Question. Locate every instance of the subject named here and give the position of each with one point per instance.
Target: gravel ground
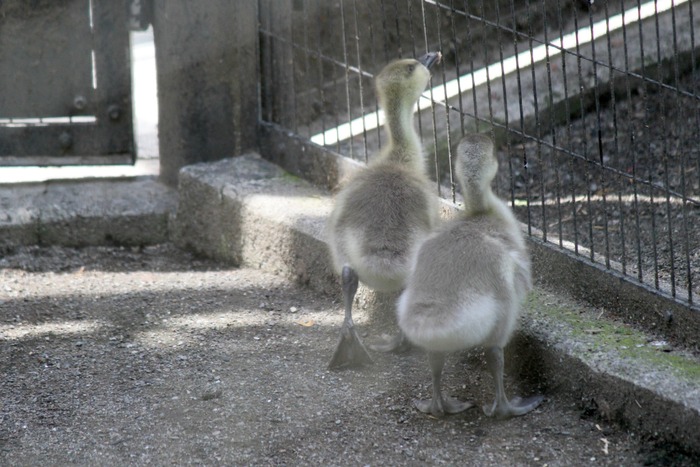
(116, 356)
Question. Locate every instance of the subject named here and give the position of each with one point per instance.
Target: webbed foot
(350, 352)
(395, 344)
(513, 408)
(440, 406)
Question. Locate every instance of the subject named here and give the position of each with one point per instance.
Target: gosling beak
(430, 59)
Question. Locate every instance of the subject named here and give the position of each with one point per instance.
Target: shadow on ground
(119, 356)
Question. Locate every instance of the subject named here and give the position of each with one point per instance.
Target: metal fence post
(207, 60)
(277, 62)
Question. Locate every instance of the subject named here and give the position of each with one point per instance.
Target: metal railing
(595, 109)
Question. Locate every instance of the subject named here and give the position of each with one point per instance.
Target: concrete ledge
(82, 213)
(249, 212)
(611, 369)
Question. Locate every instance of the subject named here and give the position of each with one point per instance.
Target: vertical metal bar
(505, 107)
(359, 79)
(587, 169)
(613, 105)
(385, 30)
(283, 98)
(347, 72)
(683, 180)
(414, 52)
(553, 135)
(628, 91)
(457, 65)
(470, 52)
(653, 232)
(633, 138)
(267, 59)
(665, 143)
(538, 132)
(459, 88)
(448, 135)
(487, 60)
(307, 65)
(432, 108)
(567, 111)
(112, 74)
(526, 168)
(646, 137)
(599, 139)
(378, 129)
(289, 44)
(488, 77)
(682, 157)
(425, 27)
(409, 9)
(669, 224)
(333, 79)
(399, 50)
(321, 83)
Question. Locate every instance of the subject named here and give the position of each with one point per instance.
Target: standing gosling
(382, 214)
(468, 283)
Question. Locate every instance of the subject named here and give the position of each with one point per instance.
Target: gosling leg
(502, 408)
(440, 404)
(350, 351)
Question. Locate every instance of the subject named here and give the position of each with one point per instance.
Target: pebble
(212, 394)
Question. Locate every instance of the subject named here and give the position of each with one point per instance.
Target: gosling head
(475, 165)
(402, 82)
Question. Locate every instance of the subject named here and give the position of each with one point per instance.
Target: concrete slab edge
(74, 213)
(249, 212)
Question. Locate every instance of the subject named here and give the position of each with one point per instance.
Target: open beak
(430, 59)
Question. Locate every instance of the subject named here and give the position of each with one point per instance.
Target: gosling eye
(410, 68)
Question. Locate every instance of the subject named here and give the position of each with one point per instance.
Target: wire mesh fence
(594, 107)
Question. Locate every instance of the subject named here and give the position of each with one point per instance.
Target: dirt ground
(115, 356)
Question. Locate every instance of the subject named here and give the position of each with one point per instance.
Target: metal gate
(65, 83)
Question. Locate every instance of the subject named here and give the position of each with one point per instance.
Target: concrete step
(133, 211)
(250, 212)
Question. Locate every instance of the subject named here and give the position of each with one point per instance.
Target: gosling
(468, 283)
(383, 213)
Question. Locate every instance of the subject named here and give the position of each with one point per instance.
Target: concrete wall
(206, 54)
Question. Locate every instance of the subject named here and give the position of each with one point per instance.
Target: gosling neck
(478, 199)
(404, 144)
